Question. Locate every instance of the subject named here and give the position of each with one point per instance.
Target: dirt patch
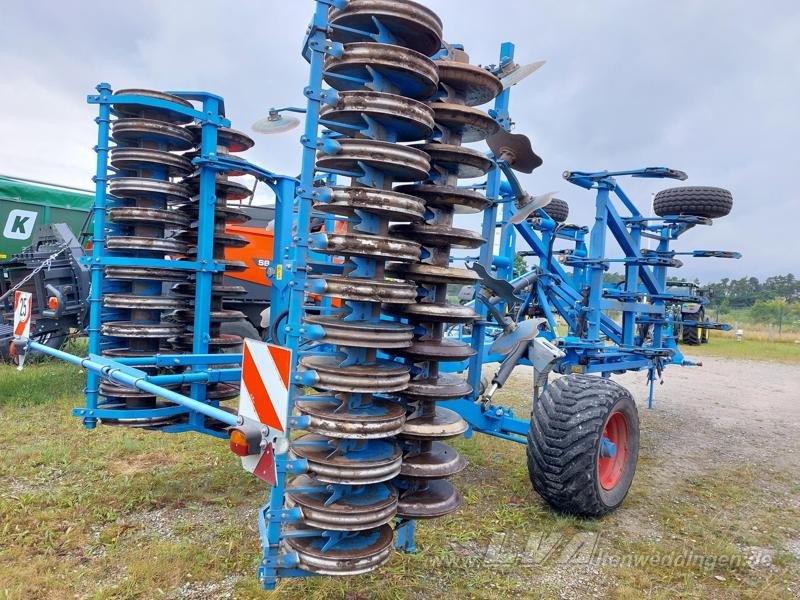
(725, 412)
(131, 464)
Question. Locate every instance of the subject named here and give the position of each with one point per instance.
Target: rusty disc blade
(353, 555)
(366, 508)
(135, 302)
(459, 200)
(143, 273)
(362, 334)
(438, 236)
(391, 205)
(144, 160)
(356, 111)
(366, 246)
(159, 246)
(149, 216)
(401, 163)
(412, 25)
(140, 132)
(378, 419)
(367, 290)
(461, 161)
(427, 273)
(133, 329)
(436, 499)
(232, 140)
(436, 350)
(408, 71)
(442, 424)
(144, 188)
(441, 387)
(151, 112)
(438, 462)
(426, 312)
(375, 461)
(469, 124)
(383, 376)
(468, 84)
(225, 189)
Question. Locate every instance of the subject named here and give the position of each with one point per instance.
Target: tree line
(747, 291)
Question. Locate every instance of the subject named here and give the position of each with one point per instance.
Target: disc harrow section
(427, 461)
(141, 225)
(383, 77)
(230, 193)
(152, 231)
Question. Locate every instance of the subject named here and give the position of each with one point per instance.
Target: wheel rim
(611, 468)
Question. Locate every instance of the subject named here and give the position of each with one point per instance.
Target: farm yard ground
(714, 511)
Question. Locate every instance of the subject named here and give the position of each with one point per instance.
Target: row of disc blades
(375, 435)
(153, 214)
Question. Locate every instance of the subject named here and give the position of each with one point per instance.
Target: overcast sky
(711, 87)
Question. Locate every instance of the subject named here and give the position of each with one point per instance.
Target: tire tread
(699, 201)
(566, 424)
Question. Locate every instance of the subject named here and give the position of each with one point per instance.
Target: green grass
(725, 346)
(116, 513)
(742, 317)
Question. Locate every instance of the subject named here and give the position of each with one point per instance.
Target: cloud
(708, 87)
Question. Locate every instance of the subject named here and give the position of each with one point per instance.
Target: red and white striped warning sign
(264, 397)
(22, 314)
(265, 384)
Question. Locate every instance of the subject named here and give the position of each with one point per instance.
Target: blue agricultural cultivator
(385, 313)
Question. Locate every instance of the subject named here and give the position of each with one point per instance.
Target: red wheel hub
(610, 469)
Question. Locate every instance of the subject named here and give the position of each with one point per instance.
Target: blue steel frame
(273, 516)
(211, 117)
(557, 291)
(123, 370)
(580, 297)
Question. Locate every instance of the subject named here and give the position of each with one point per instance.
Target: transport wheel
(558, 210)
(277, 335)
(691, 335)
(704, 334)
(243, 329)
(698, 201)
(583, 444)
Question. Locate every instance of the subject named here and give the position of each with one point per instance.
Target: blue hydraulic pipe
(117, 374)
(198, 376)
(180, 360)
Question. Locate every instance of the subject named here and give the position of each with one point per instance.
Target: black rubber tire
(691, 335)
(242, 328)
(704, 335)
(558, 210)
(277, 329)
(567, 424)
(698, 201)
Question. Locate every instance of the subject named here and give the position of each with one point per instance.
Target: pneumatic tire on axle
(570, 461)
(558, 210)
(697, 201)
(692, 335)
